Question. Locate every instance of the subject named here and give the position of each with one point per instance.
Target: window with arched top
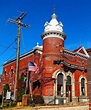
(5, 73)
(11, 73)
(60, 84)
(68, 88)
(68, 80)
(82, 86)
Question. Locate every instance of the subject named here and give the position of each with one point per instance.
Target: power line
(7, 48)
(8, 58)
(11, 56)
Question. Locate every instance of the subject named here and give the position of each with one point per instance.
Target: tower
(53, 43)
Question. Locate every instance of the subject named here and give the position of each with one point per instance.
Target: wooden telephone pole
(19, 24)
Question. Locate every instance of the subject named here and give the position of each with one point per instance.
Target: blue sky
(74, 14)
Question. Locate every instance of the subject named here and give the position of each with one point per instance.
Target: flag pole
(32, 67)
(27, 84)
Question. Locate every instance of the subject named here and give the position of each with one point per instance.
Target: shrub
(37, 99)
(21, 89)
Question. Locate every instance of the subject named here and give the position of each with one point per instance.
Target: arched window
(5, 75)
(82, 86)
(11, 73)
(60, 84)
(69, 88)
(68, 80)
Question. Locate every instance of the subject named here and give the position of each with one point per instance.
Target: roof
(88, 50)
(77, 49)
(82, 51)
(53, 25)
(35, 49)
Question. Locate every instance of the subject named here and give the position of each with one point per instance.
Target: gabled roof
(82, 51)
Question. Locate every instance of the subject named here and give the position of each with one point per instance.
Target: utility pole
(19, 24)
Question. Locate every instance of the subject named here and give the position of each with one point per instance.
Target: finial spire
(37, 44)
(54, 8)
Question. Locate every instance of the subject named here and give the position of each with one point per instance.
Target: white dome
(53, 25)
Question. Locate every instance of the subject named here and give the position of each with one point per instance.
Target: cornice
(75, 54)
(39, 50)
(56, 34)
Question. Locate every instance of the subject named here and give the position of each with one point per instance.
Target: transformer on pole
(19, 24)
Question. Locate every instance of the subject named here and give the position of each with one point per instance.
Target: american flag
(32, 67)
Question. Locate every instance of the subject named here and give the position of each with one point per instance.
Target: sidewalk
(59, 107)
(67, 108)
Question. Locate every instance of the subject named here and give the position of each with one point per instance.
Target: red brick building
(89, 77)
(62, 75)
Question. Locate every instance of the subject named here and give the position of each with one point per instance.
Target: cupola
(53, 28)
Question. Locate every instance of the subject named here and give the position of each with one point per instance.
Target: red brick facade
(62, 75)
(89, 74)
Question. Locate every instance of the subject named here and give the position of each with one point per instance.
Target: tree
(22, 87)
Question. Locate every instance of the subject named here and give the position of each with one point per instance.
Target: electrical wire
(11, 56)
(8, 47)
(8, 59)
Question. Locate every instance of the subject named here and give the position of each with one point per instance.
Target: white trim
(72, 82)
(53, 35)
(82, 76)
(55, 74)
(78, 52)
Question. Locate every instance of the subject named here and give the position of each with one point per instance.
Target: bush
(21, 89)
(37, 99)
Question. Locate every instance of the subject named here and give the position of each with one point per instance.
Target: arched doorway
(69, 89)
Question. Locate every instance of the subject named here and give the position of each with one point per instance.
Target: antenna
(19, 24)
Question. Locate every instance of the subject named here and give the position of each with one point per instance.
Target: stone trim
(53, 34)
